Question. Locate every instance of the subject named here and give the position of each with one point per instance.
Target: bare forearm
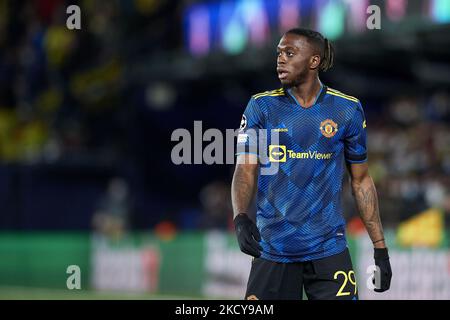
(243, 189)
(366, 198)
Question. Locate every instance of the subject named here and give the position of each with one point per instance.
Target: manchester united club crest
(328, 128)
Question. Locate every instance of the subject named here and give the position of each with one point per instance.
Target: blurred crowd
(409, 155)
(74, 112)
(62, 91)
(83, 101)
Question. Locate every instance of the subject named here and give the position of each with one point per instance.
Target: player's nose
(281, 59)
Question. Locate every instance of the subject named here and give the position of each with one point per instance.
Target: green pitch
(23, 293)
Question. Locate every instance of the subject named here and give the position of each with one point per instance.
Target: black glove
(248, 235)
(381, 257)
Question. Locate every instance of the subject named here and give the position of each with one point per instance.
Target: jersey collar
(319, 97)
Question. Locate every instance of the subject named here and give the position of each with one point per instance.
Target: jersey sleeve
(355, 149)
(252, 120)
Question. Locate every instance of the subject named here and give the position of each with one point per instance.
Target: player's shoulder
(347, 99)
(268, 94)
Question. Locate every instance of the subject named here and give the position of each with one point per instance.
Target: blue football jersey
(299, 211)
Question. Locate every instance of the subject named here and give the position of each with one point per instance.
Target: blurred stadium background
(86, 118)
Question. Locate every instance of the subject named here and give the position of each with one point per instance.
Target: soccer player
(298, 241)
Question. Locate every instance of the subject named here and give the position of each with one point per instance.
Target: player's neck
(306, 93)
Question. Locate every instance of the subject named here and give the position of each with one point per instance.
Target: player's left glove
(248, 235)
(381, 257)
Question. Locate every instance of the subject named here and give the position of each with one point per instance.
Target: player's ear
(314, 62)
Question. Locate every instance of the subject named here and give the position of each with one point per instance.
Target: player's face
(294, 57)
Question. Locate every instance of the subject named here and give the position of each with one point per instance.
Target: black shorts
(330, 278)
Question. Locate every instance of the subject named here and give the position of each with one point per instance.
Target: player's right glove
(381, 257)
(247, 235)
